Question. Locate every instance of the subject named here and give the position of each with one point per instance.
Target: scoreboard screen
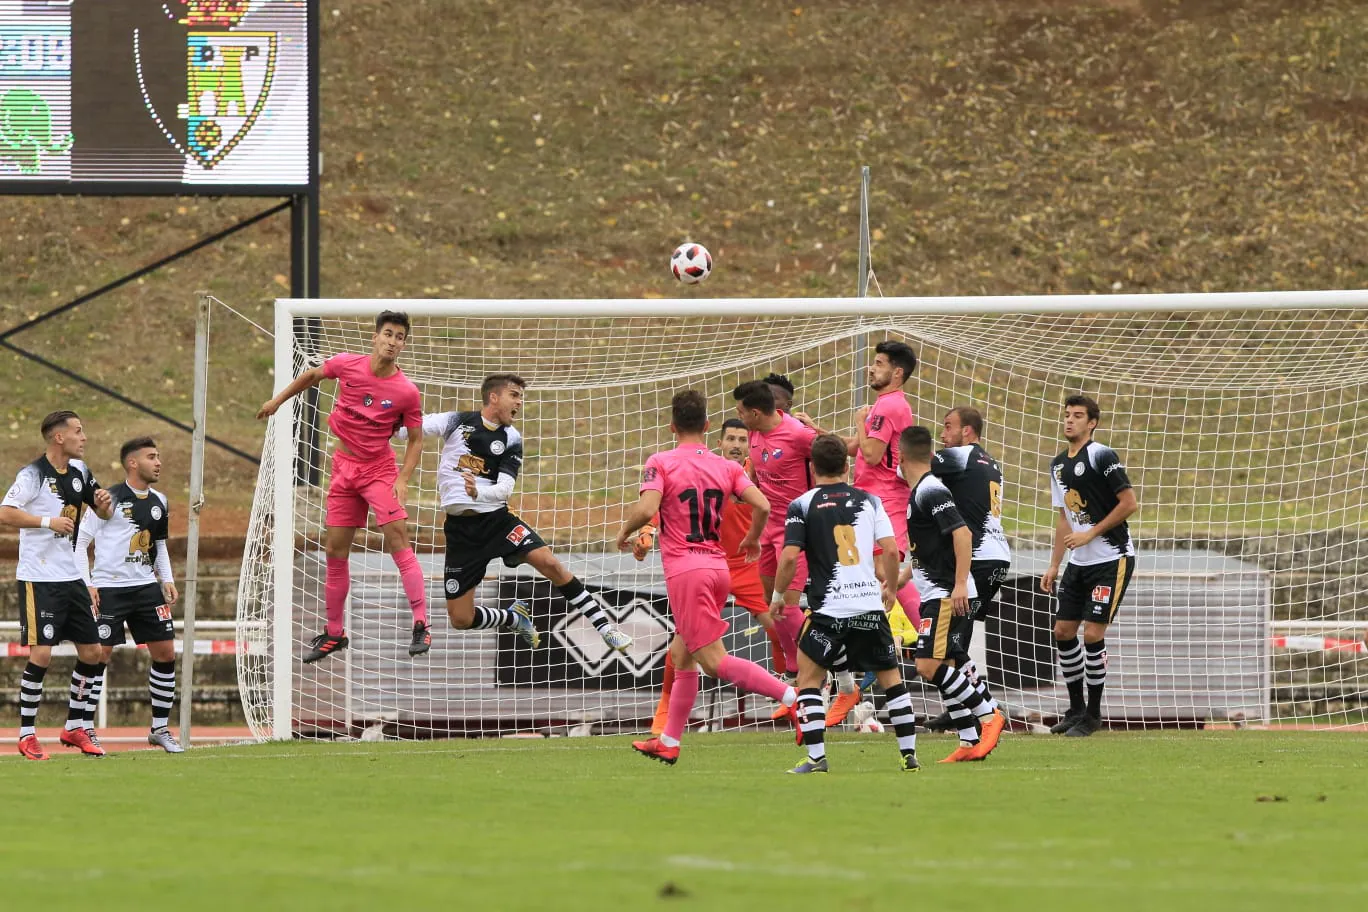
(173, 96)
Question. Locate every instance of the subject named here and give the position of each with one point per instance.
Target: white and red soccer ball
(691, 263)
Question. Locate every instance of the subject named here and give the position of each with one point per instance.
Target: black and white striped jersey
(975, 481)
(1085, 485)
(932, 518)
(131, 544)
(493, 454)
(40, 489)
(837, 527)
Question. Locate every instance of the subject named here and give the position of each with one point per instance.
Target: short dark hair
(56, 420)
(132, 446)
(900, 355)
(393, 318)
(734, 424)
(689, 412)
(1087, 402)
(829, 455)
(495, 382)
(779, 380)
(915, 444)
(755, 394)
(970, 417)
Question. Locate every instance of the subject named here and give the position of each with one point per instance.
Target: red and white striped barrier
(202, 647)
(1319, 644)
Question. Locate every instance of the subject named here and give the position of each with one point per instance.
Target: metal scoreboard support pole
(200, 412)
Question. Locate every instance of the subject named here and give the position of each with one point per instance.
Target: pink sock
(788, 627)
(910, 600)
(749, 676)
(335, 587)
(415, 587)
(682, 695)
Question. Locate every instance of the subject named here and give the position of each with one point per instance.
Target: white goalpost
(1242, 419)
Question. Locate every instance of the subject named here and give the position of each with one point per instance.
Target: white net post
(1239, 417)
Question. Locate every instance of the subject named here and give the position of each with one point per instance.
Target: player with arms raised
(840, 528)
(941, 548)
(132, 584)
(779, 449)
(374, 400)
(482, 454)
(687, 487)
(46, 504)
(1089, 488)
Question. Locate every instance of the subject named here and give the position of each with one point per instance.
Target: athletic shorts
(943, 634)
(988, 579)
(142, 609)
(864, 641)
(52, 612)
(474, 539)
(696, 600)
(358, 486)
(769, 564)
(1093, 593)
(746, 587)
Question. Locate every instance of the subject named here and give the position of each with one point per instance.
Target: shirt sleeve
(795, 525)
(1107, 462)
(162, 531)
(1056, 492)
(740, 480)
(510, 463)
(91, 486)
(938, 503)
(497, 493)
(334, 366)
(24, 489)
(879, 427)
(162, 566)
(652, 477)
(84, 536)
(413, 412)
(883, 526)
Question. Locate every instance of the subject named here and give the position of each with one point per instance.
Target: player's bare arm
(1126, 505)
(310, 378)
(638, 515)
(964, 558)
(760, 511)
(16, 518)
(783, 575)
(1062, 532)
(889, 578)
(413, 453)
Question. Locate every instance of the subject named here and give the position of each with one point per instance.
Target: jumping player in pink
(688, 487)
(780, 446)
(374, 400)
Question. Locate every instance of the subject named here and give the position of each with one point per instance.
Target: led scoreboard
(155, 96)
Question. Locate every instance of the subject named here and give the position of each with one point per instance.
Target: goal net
(1241, 420)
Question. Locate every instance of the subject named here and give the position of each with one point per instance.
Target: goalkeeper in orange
(746, 588)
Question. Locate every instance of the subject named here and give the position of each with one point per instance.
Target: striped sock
(971, 671)
(813, 714)
(1095, 663)
(93, 699)
(903, 718)
(161, 686)
(1071, 669)
(957, 691)
(81, 677)
(30, 696)
(581, 600)
(963, 720)
(492, 619)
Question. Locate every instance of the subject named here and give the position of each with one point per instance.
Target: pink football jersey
(694, 485)
(779, 459)
(370, 410)
(886, 421)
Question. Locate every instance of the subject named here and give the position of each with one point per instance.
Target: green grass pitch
(1211, 821)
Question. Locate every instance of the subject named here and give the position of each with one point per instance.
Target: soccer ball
(691, 263)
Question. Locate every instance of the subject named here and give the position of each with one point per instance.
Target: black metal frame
(301, 202)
